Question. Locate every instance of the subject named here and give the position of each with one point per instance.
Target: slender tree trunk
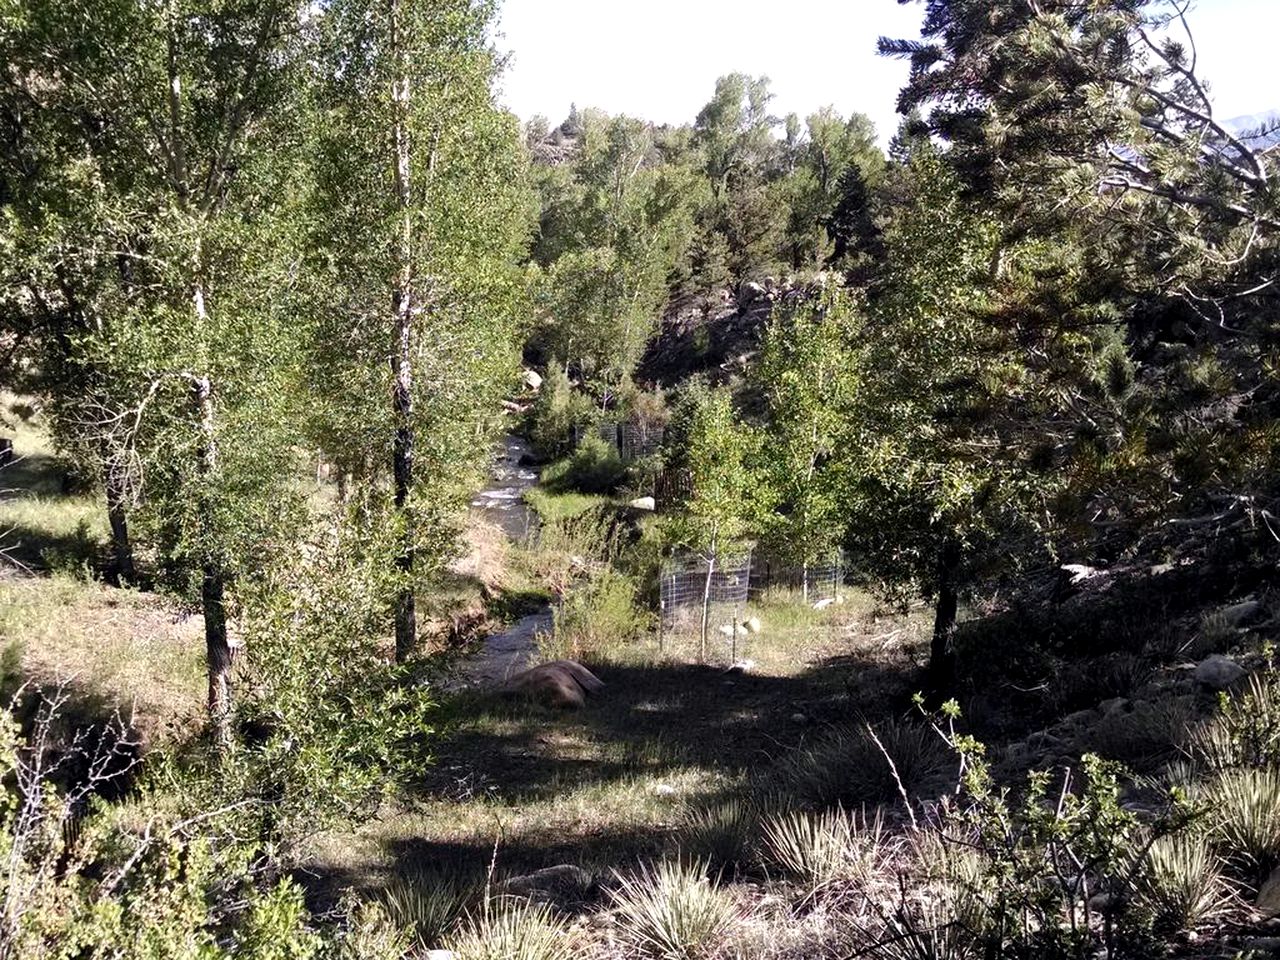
(942, 647)
(706, 599)
(213, 586)
(406, 620)
(114, 481)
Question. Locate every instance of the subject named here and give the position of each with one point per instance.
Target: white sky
(659, 59)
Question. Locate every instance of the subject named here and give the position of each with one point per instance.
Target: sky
(659, 59)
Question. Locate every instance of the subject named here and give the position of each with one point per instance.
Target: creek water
(501, 502)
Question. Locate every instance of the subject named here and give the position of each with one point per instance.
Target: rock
(798, 717)
(561, 684)
(742, 666)
(824, 603)
(1079, 572)
(643, 503)
(1236, 614)
(664, 790)
(531, 379)
(565, 883)
(754, 625)
(1268, 902)
(749, 292)
(1218, 672)
(725, 629)
(441, 955)
(1113, 706)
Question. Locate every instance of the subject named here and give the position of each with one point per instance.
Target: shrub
(1245, 806)
(598, 615)
(429, 904)
(848, 768)
(593, 467)
(722, 835)
(823, 850)
(1183, 886)
(508, 928)
(1245, 732)
(672, 911)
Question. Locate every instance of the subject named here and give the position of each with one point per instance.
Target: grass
(510, 929)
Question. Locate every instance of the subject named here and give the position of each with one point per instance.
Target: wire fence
(707, 598)
(637, 440)
(818, 582)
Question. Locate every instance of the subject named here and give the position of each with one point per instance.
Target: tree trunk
(213, 586)
(115, 482)
(706, 601)
(406, 619)
(941, 648)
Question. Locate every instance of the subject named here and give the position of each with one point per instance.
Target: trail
(502, 503)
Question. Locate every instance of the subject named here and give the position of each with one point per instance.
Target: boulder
(749, 292)
(532, 380)
(643, 503)
(565, 883)
(754, 625)
(441, 955)
(1268, 902)
(1238, 614)
(562, 684)
(1218, 672)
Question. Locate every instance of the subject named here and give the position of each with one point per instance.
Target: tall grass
(1184, 886)
(824, 850)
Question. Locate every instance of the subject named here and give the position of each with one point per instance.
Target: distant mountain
(1259, 130)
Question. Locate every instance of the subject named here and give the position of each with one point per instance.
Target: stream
(502, 503)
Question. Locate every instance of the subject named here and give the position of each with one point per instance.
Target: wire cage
(638, 440)
(694, 587)
(818, 582)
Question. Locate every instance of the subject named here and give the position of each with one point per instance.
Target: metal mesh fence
(690, 583)
(639, 440)
(817, 582)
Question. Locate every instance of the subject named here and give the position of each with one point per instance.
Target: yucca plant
(672, 911)
(722, 835)
(849, 768)
(510, 928)
(1246, 731)
(1183, 886)
(428, 904)
(1245, 806)
(823, 850)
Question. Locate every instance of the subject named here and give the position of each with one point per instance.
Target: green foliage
(672, 911)
(599, 615)
(1245, 817)
(555, 413)
(593, 467)
(430, 903)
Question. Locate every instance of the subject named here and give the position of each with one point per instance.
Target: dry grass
(128, 650)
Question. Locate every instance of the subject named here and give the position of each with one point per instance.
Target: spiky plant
(849, 768)
(722, 835)
(823, 850)
(428, 904)
(1245, 810)
(510, 928)
(1183, 887)
(672, 911)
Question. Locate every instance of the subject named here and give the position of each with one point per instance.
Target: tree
(420, 213)
(713, 449)
(808, 377)
(163, 263)
(611, 238)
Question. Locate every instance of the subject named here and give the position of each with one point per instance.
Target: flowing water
(501, 502)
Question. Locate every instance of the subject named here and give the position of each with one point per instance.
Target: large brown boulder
(561, 684)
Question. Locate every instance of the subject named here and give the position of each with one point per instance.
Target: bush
(1183, 887)
(1245, 732)
(593, 467)
(672, 911)
(430, 903)
(598, 615)
(1245, 807)
(507, 928)
(554, 414)
(847, 768)
(723, 835)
